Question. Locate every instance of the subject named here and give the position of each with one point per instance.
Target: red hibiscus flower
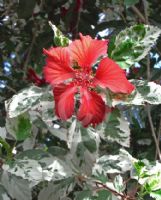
(70, 71)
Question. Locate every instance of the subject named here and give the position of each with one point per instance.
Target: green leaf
(103, 195)
(28, 11)
(133, 44)
(35, 154)
(88, 195)
(23, 101)
(23, 128)
(130, 2)
(7, 148)
(149, 175)
(57, 151)
(116, 129)
(156, 194)
(20, 127)
(139, 167)
(59, 38)
(154, 181)
(111, 46)
(145, 92)
(57, 191)
(83, 195)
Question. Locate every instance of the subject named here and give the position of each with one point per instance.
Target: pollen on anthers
(83, 79)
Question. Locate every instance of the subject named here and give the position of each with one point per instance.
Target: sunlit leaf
(23, 101)
(112, 164)
(44, 167)
(59, 38)
(133, 44)
(27, 169)
(119, 184)
(3, 132)
(156, 194)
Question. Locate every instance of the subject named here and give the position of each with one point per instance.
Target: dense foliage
(44, 157)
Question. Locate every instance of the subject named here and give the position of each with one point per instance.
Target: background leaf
(23, 101)
(19, 127)
(116, 129)
(57, 191)
(133, 44)
(130, 2)
(23, 129)
(84, 143)
(16, 187)
(3, 194)
(110, 164)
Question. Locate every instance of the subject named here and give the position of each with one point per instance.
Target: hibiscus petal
(92, 109)
(110, 75)
(57, 67)
(87, 50)
(64, 100)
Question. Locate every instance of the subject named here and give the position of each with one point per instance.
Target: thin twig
(29, 52)
(25, 65)
(109, 189)
(153, 132)
(159, 131)
(100, 186)
(139, 14)
(158, 136)
(145, 11)
(113, 191)
(148, 68)
(148, 78)
(11, 89)
(77, 19)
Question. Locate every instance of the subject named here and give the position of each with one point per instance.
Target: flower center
(83, 79)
